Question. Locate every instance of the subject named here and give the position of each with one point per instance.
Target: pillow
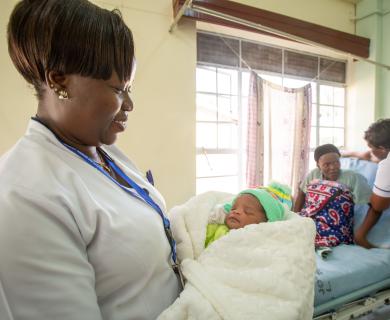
(380, 233)
(366, 168)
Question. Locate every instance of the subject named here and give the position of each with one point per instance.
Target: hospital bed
(354, 281)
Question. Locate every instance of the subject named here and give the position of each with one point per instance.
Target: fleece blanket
(263, 271)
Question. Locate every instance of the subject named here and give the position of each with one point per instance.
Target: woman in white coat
(83, 234)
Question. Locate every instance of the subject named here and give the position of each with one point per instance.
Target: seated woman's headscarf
(324, 149)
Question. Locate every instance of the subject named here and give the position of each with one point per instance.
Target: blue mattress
(349, 269)
(351, 272)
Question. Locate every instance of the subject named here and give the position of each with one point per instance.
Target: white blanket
(263, 271)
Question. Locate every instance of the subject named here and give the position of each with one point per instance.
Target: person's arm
(44, 266)
(378, 205)
(360, 236)
(299, 201)
(380, 201)
(362, 155)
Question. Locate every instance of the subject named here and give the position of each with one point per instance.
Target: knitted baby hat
(282, 192)
(273, 208)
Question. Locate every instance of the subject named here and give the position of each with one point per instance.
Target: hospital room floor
(381, 314)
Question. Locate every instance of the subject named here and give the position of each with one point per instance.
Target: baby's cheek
(262, 218)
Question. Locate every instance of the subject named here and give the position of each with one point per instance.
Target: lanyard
(141, 193)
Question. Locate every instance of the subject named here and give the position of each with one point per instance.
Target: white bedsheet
(263, 271)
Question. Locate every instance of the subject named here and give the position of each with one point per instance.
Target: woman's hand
(360, 239)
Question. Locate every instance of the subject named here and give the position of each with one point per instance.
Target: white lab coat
(73, 245)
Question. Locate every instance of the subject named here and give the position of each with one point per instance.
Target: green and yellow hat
(271, 198)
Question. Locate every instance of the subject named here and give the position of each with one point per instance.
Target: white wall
(17, 102)
(369, 88)
(161, 132)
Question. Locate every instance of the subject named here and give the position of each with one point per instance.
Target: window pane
(261, 57)
(298, 64)
(206, 79)
(206, 135)
(274, 79)
(326, 94)
(225, 184)
(227, 81)
(294, 83)
(326, 116)
(212, 165)
(338, 117)
(218, 50)
(326, 135)
(332, 135)
(312, 162)
(206, 107)
(338, 137)
(227, 108)
(227, 136)
(339, 96)
(331, 70)
(331, 116)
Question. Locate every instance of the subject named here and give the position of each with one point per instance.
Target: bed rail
(358, 307)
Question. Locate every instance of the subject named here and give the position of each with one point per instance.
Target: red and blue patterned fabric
(330, 205)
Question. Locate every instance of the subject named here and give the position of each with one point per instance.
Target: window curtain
(255, 133)
(278, 133)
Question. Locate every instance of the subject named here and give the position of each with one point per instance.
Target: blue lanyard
(141, 193)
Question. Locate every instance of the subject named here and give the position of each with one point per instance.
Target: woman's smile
(120, 123)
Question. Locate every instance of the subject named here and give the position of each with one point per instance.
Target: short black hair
(378, 134)
(70, 37)
(324, 149)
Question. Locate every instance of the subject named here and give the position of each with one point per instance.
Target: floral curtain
(278, 134)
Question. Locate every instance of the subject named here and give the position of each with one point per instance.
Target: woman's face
(96, 111)
(329, 164)
(379, 152)
(246, 210)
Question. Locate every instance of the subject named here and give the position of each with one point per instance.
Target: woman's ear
(56, 79)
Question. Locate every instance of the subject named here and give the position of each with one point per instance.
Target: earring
(62, 94)
(51, 85)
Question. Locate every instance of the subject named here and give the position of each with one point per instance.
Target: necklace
(102, 163)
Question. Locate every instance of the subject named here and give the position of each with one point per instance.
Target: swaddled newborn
(256, 270)
(251, 206)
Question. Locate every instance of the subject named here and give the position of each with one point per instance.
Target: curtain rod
(186, 5)
(189, 5)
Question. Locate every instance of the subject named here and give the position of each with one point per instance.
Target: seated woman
(325, 183)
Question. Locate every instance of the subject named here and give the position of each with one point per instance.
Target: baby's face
(245, 210)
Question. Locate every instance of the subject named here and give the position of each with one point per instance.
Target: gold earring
(51, 85)
(62, 95)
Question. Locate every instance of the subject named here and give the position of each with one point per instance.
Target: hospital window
(222, 85)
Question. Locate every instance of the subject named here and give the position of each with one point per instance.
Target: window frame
(239, 151)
